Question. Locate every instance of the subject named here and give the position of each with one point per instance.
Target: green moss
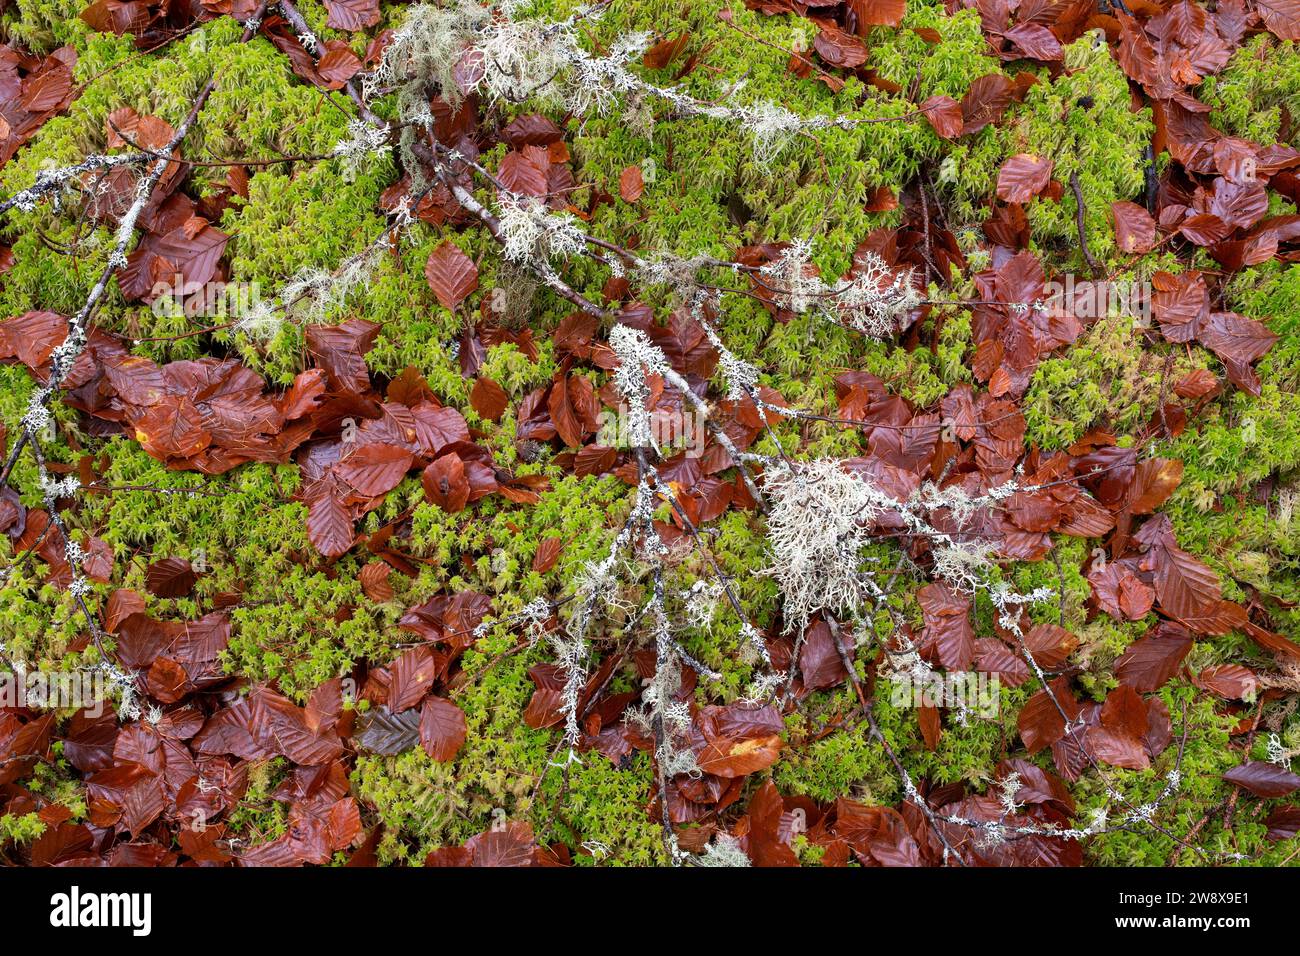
(300, 620)
(1101, 143)
(1105, 380)
(1260, 81)
(20, 829)
(425, 804)
(259, 818)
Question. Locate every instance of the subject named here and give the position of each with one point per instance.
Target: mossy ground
(300, 621)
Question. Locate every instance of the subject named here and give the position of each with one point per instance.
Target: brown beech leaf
(1184, 585)
(488, 399)
(839, 48)
(1197, 384)
(436, 428)
(1023, 176)
(352, 14)
(1152, 660)
(376, 468)
(1154, 480)
(730, 757)
(324, 706)
(548, 552)
(338, 65)
(172, 429)
(1135, 598)
(985, 102)
(1040, 723)
(1125, 712)
(948, 638)
(736, 740)
(512, 846)
(1263, 779)
(531, 130)
(819, 661)
(1282, 17)
(1229, 681)
(122, 603)
(631, 184)
(451, 274)
(340, 350)
(1283, 823)
(1135, 230)
(1032, 41)
(151, 132)
(571, 405)
(445, 483)
(1050, 645)
(374, 581)
(413, 674)
(31, 337)
(1204, 229)
(409, 388)
(136, 789)
(380, 731)
(98, 563)
(1238, 341)
(665, 51)
(877, 13)
(994, 657)
(943, 113)
(1117, 749)
(170, 578)
(927, 717)
(524, 171)
(329, 523)
(442, 728)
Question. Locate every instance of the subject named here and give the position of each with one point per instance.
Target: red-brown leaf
(451, 274)
(170, 578)
(445, 483)
(1153, 659)
(877, 13)
(1135, 230)
(442, 728)
(1023, 176)
(338, 65)
(329, 523)
(376, 468)
(948, 638)
(488, 399)
(631, 184)
(839, 48)
(413, 674)
(1263, 779)
(352, 14)
(548, 552)
(944, 115)
(374, 581)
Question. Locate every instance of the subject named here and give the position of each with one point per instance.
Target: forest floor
(855, 432)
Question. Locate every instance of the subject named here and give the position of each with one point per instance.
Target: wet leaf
(631, 184)
(442, 729)
(445, 483)
(1263, 779)
(451, 274)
